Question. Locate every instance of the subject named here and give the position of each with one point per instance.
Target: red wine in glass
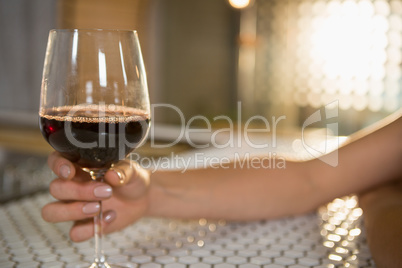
(93, 139)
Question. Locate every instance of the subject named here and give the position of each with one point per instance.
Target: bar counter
(331, 237)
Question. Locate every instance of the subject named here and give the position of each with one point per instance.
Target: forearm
(232, 193)
(246, 194)
(370, 158)
(383, 221)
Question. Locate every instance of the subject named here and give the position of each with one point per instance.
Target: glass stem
(99, 258)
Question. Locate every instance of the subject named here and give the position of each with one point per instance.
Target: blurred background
(278, 57)
(270, 58)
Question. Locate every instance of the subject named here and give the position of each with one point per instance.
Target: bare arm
(371, 157)
(235, 194)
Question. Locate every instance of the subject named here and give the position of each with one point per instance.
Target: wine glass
(94, 106)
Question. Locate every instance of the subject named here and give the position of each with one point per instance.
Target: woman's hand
(78, 196)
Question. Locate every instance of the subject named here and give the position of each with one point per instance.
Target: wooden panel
(199, 60)
(102, 14)
(107, 14)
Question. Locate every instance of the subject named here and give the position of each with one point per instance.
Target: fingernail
(103, 191)
(64, 171)
(109, 216)
(120, 175)
(91, 208)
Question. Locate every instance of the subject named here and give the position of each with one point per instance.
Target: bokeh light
(239, 3)
(311, 52)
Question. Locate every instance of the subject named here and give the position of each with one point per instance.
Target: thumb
(128, 173)
(121, 173)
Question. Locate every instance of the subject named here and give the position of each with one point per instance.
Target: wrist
(155, 194)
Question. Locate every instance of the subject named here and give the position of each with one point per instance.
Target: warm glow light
(334, 257)
(341, 231)
(350, 42)
(329, 244)
(355, 232)
(239, 3)
(200, 243)
(212, 227)
(314, 52)
(357, 212)
(334, 237)
(351, 51)
(341, 250)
